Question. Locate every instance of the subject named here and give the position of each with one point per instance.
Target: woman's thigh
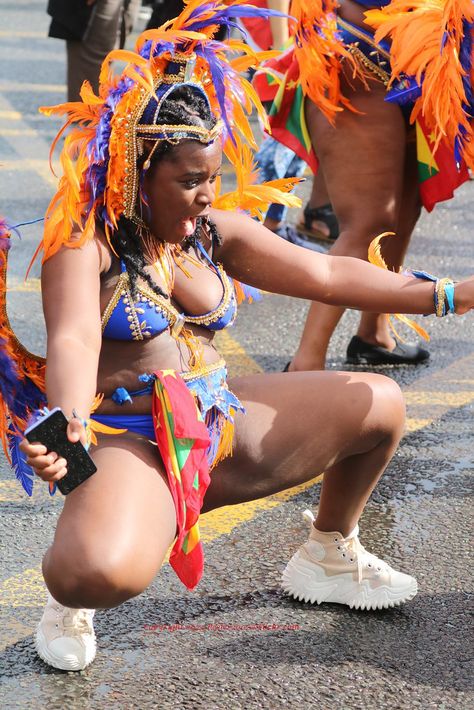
(298, 425)
(119, 524)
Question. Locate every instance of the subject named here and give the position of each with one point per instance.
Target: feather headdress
(98, 159)
(432, 46)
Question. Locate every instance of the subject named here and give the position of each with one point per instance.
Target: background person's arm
(279, 25)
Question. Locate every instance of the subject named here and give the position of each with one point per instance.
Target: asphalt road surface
(237, 641)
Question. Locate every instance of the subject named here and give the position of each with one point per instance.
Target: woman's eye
(190, 184)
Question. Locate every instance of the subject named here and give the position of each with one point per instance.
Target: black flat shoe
(361, 353)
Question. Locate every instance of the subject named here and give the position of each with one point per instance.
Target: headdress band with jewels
(179, 72)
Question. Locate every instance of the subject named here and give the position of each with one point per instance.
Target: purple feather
(226, 17)
(465, 57)
(219, 71)
(4, 239)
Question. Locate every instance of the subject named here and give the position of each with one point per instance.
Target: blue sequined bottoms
(216, 402)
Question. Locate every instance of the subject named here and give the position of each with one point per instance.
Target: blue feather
(23, 472)
(8, 377)
(226, 16)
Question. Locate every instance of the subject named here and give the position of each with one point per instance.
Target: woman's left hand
(464, 296)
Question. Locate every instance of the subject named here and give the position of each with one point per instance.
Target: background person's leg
(372, 324)
(110, 23)
(363, 159)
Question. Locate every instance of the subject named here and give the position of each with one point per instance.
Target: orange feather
(425, 39)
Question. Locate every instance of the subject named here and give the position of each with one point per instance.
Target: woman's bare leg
(370, 328)
(115, 528)
(301, 424)
(363, 159)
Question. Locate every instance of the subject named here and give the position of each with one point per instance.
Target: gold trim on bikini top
(176, 319)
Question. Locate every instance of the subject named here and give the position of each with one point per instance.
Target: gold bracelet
(440, 296)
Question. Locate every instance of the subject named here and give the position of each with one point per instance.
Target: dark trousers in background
(110, 23)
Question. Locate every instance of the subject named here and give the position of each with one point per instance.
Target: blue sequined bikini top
(152, 314)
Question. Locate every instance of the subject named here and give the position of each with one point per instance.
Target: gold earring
(147, 162)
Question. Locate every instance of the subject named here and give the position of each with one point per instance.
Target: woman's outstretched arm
(253, 254)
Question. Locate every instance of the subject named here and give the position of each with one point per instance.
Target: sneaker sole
(60, 662)
(303, 585)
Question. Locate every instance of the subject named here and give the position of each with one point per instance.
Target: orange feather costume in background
(423, 53)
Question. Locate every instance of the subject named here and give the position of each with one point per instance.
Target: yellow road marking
(238, 362)
(433, 396)
(11, 115)
(32, 285)
(28, 87)
(26, 34)
(18, 132)
(439, 399)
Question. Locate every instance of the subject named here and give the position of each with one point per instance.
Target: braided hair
(184, 105)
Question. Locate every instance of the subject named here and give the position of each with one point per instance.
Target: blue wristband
(449, 297)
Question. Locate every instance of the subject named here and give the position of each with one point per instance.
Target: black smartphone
(51, 432)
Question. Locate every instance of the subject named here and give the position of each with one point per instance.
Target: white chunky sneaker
(65, 637)
(337, 569)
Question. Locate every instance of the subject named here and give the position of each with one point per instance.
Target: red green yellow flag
(438, 173)
(183, 440)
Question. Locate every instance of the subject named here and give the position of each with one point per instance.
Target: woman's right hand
(48, 465)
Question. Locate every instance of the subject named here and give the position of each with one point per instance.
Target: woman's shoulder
(90, 248)
(97, 240)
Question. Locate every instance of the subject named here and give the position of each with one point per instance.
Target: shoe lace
(359, 554)
(77, 621)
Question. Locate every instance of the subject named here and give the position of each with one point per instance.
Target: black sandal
(319, 214)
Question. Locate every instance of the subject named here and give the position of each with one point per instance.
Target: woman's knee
(94, 580)
(388, 410)
(356, 236)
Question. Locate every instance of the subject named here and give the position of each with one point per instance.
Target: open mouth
(189, 226)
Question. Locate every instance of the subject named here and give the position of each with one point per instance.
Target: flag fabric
(259, 33)
(278, 82)
(183, 440)
(438, 173)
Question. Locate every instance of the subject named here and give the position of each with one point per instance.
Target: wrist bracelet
(86, 426)
(443, 293)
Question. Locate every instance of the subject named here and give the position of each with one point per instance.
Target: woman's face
(180, 188)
